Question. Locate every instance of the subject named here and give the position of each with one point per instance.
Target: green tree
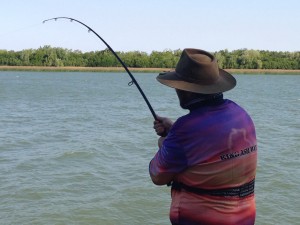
(250, 59)
(240, 58)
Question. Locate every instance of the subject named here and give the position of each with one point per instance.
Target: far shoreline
(135, 70)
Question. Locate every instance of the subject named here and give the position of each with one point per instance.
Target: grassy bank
(77, 69)
(263, 71)
(121, 69)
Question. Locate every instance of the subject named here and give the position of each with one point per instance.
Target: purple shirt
(212, 147)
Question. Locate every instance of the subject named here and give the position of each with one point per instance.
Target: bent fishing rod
(133, 80)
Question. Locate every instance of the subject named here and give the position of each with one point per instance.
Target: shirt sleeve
(171, 157)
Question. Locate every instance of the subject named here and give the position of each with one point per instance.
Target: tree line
(59, 57)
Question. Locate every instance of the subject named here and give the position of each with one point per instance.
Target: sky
(152, 25)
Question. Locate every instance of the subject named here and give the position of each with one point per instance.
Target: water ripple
(75, 148)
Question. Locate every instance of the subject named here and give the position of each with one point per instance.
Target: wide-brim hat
(197, 71)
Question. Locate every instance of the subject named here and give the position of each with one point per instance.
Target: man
(209, 155)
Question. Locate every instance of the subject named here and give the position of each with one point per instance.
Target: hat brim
(225, 82)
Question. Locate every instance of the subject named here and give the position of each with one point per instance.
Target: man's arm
(161, 126)
(160, 178)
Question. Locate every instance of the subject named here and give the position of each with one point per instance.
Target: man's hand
(162, 126)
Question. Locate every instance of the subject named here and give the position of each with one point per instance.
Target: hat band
(210, 80)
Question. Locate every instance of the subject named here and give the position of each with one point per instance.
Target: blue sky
(129, 25)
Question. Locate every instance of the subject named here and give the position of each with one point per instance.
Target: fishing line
(2, 34)
(133, 80)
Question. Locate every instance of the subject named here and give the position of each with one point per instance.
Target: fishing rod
(133, 80)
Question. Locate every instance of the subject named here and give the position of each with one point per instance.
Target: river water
(75, 147)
